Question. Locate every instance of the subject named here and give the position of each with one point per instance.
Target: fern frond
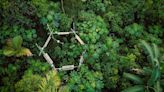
(50, 83)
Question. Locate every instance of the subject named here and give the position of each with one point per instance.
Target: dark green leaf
(154, 76)
(149, 50)
(137, 88)
(133, 78)
(156, 51)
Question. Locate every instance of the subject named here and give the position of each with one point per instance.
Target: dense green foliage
(13, 48)
(123, 43)
(150, 73)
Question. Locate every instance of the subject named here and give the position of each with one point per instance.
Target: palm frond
(156, 51)
(149, 50)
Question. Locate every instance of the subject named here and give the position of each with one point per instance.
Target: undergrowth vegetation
(123, 45)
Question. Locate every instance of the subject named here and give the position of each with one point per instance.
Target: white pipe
(48, 59)
(47, 41)
(79, 39)
(63, 33)
(81, 60)
(67, 67)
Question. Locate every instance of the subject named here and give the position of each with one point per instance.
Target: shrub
(28, 83)
(85, 80)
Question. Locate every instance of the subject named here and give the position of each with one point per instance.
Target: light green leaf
(133, 78)
(17, 42)
(137, 88)
(8, 51)
(63, 89)
(24, 52)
